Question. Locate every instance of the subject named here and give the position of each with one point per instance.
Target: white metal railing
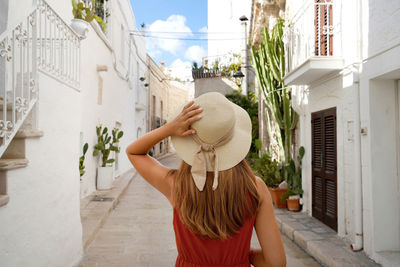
(310, 33)
(58, 46)
(42, 41)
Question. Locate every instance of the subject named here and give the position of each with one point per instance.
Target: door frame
(321, 215)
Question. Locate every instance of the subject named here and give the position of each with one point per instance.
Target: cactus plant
(81, 160)
(81, 10)
(105, 145)
(269, 63)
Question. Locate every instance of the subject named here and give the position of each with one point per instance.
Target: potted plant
(271, 172)
(104, 146)
(81, 160)
(83, 14)
(292, 196)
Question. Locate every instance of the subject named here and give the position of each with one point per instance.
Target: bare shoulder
(263, 191)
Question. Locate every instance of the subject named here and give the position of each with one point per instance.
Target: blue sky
(187, 16)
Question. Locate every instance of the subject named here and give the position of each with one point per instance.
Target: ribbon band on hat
(199, 166)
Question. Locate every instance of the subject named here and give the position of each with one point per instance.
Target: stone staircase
(14, 156)
(24, 50)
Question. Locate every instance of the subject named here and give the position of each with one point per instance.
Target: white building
(224, 23)
(57, 89)
(228, 36)
(343, 61)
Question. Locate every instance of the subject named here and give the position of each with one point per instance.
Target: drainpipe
(358, 201)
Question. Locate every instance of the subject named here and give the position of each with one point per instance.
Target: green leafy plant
(269, 170)
(269, 62)
(294, 176)
(249, 103)
(82, 10)
(105, 144)
(82, 159)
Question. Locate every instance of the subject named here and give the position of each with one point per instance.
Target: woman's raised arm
(148, 167)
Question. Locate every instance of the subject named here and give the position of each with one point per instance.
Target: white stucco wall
(222, 85)
(383, 26)
(336, 90)
(320, 97)
(380, 152)
(120, 96)
(371, 39)
(41, 226)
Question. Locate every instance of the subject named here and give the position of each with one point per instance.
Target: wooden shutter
(323, 20)
(324, 170)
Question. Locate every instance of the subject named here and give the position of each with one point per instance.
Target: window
(323, 28)
(161, 107)
(153, 113)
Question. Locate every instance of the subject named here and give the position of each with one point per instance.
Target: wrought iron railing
(58, 46)
(311, 32)
(42, 41)
(205, 73)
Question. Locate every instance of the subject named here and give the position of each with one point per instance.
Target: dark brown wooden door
(324, 173)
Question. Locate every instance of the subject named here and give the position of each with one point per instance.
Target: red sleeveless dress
(196, 251)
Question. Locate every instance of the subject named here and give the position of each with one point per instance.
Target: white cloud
(174, 23)
(203, 29)
(195, 53)
(181, 69)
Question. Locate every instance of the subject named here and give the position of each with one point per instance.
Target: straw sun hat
(222, 139)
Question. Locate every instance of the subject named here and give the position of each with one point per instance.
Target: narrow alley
(139, 232)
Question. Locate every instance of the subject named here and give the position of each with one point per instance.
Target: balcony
(312, 43)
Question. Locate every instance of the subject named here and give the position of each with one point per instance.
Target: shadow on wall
(222, 85)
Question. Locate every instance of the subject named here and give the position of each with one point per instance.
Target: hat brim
(229, 154)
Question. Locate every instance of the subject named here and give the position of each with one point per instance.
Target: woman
(215, 196)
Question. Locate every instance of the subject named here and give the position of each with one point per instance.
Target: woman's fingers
(188, 132)
(193, 112)
(188, 105)
(189, 108)
(193, 119)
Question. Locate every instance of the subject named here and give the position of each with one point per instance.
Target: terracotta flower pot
(293, 204)
(276, 194)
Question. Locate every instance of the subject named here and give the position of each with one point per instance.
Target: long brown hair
(216, 214)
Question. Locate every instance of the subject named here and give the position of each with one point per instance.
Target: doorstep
(319, 241)
(96, 207)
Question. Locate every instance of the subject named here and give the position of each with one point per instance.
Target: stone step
(16, 148)
(28, 133)
(4, 200)
(319, 241)
(10, 164)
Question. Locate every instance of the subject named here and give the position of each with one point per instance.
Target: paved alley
(139, 232)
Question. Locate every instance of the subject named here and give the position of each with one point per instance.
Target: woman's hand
(180, 126)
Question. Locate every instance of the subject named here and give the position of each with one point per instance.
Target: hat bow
(199, 166)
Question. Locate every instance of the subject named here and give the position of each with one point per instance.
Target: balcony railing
(205, 73)
(312, 37)
(40, 42)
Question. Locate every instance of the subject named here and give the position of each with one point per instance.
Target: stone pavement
(319, 240)
(96, 207)
(139, 232)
